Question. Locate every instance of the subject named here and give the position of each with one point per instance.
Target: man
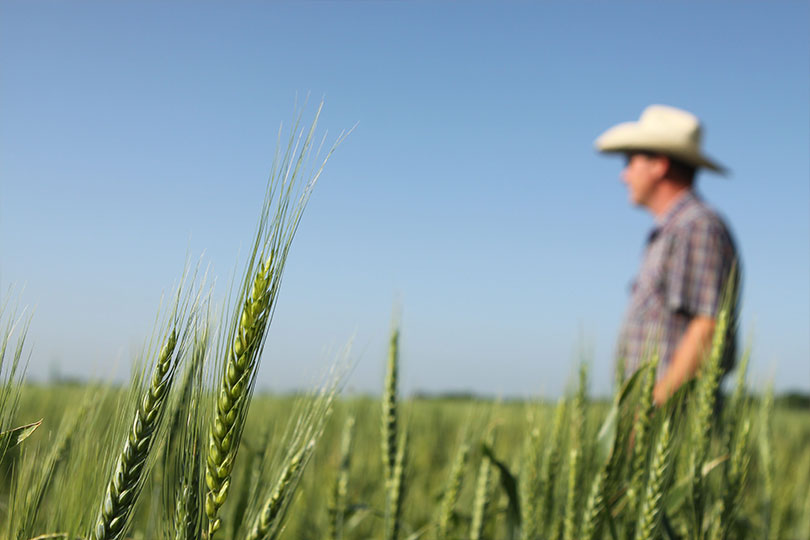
(689, 257)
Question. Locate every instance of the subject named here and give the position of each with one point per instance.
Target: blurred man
(689, 255)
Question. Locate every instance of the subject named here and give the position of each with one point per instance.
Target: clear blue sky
(133, 134)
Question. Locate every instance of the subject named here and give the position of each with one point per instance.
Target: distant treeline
(791, 400)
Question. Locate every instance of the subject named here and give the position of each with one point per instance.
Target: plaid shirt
(688, 259)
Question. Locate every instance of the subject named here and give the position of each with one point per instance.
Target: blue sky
(469, 194)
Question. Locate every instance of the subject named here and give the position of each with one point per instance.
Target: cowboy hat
(670, 131)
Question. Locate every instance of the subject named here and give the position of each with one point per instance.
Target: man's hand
(687, 358)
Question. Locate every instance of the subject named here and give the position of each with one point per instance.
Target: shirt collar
(686, 198)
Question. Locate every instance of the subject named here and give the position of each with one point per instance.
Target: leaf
(614, 534)
(667, 526)
(356, 513)
(418, 534)
(13, 437)
(509, 484)
(629, 385)
(711, 465)
(606, 438)
(676, 496)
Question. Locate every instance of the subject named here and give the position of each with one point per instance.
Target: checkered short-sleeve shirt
(687, 262)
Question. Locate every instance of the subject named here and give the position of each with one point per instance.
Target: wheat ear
(482, 494)
(594, 508)
(735, 469)
(11, 376)
(736, 475)
(300, 442)
(764, 437)
(640, 438)
(651, 507)
(183, 468)
(551, 465)
(267, 520)
(570, 527)
(529, 484)
(340, 489)
(396, 491)
(234, 392)
(451, 492)
(47, 470)
(246, 333)
(702, 426)
(128, 476)
(389, 408)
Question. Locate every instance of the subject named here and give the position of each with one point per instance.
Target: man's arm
(686, 359)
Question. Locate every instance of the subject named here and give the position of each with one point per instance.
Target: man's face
(642, 174)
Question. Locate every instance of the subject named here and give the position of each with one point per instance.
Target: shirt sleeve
(699, 265)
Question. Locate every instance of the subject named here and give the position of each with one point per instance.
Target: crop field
(188, 450)
(468, 469)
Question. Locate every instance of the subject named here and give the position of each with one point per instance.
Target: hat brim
(632, 137)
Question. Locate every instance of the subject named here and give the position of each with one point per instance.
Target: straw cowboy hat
(670, 131)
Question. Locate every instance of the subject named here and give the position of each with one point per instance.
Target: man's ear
(660, 165)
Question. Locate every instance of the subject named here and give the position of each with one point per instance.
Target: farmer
(689, 255)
